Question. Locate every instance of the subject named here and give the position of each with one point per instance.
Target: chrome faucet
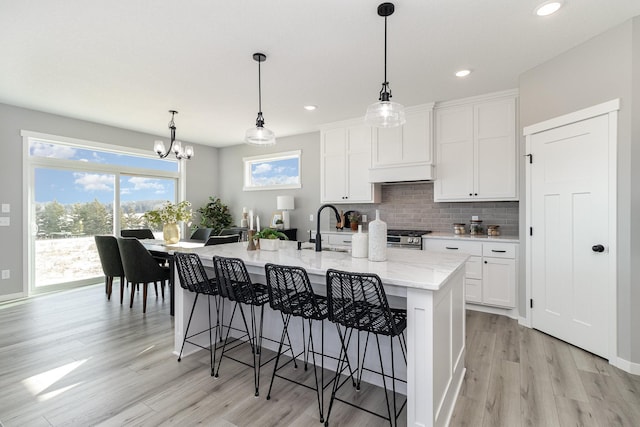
(318, 236)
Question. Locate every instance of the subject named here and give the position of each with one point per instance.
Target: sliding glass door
(77, 191)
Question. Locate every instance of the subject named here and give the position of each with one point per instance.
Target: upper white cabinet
(476, 149)
(345, 159)
(404, 153)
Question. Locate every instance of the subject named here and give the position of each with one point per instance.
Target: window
(272, 171)
(78, 189)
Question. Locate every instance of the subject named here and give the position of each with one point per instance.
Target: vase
(359, 244)
(354, 226)
(377, 239)
(171, 233)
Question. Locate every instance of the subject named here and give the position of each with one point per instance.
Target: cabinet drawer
(499, 250)
(471, 248)
(339, 239)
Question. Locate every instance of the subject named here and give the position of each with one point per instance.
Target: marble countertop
(404, 268)
(480, 237)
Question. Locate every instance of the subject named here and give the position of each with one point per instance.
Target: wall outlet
(4, 221)
(6, 208)
(364, 218)
(311, 217)
(6, 274)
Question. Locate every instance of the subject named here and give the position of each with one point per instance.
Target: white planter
(269, 244)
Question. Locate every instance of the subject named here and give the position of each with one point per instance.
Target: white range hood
(404, 153)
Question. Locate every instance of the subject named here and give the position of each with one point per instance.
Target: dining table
(160, 249)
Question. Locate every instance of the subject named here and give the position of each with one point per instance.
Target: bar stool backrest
(358, 300)
(193, 276)
(290, 292)
(233, 280)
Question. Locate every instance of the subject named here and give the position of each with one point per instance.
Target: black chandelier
(175, 146)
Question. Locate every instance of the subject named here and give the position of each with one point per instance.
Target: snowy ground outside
(66, 260)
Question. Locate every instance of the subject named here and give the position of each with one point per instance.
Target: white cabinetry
(476, 149)
(404, 153)
(490, 270)
(345, 159)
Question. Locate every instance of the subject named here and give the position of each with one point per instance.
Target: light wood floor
(75, 358)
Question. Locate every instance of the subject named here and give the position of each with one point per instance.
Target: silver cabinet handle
(449, 247)
(497, 251)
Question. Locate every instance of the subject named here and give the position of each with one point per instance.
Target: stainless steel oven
(405, 239)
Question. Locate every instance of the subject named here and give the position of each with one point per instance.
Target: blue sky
(80, 186)
(275, 172)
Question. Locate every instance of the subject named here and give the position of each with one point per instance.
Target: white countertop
(480, 237)
(404, 267)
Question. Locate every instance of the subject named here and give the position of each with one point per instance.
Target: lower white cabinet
(490, 277)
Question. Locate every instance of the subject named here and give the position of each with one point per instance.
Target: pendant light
(385, 113)
(175, 146)
(260, 135)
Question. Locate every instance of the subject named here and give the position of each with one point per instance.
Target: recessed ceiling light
(463, 73)
(310, 107)
(547, 8)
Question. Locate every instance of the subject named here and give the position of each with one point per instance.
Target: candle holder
(251, 246)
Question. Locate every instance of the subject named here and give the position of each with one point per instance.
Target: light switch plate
(6, 208)
(6, 274)
(4, 221)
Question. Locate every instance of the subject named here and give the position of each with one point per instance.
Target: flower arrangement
(170, 213)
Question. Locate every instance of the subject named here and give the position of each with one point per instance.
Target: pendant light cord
(259, 89)
(385, 51)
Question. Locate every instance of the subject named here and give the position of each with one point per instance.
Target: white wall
(200, 171)
(307, 198)
(596, 71)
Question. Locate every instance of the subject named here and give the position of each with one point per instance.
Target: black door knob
(597, 248)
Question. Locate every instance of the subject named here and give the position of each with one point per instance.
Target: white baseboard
(15, 296)
(523, 321)
(509, 312)
(627, 366)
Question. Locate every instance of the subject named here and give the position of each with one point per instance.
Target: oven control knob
(410, 240)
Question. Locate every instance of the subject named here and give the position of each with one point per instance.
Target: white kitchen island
(428, 284)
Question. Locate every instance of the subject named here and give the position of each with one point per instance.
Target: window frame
(248, 162)
(30, 163)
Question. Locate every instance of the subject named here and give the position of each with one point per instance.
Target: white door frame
(610, 109)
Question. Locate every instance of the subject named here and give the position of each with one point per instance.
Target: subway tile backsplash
(411, 206)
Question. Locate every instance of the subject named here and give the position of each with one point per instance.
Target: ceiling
(125, 63)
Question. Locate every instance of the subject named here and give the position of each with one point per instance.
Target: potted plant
(279, 224)
(168, 216)
(354, 219)
(269, 239)
(215, 215)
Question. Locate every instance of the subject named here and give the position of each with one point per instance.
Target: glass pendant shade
(260, 135)
(385, 114)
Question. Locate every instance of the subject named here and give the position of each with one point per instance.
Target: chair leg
(212, 346)
(155, 287)
(186, 332)
(144, 297)
(107, 288)
(133, 292)
(285, 320)
(162, 288)
(319, 386)
(122, 280)
(233, 313)
(384, 380)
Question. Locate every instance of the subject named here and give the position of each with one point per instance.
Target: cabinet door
(495, 149)
(454, 154)
(359, 189)
(498, 282)
(473, 290)
(334, 165)
(406, 144)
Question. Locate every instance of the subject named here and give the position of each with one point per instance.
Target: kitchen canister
(359, 244)
(377, 239)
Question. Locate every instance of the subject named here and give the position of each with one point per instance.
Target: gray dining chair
(141, 268)
(111, 263)
(201, 234)
(138, 233)
(219, 240)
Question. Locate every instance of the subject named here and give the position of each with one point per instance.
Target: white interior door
(570, 217)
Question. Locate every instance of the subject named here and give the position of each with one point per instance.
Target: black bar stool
(290, 293)
(193, 278)
(235, 285)
(358, 302)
